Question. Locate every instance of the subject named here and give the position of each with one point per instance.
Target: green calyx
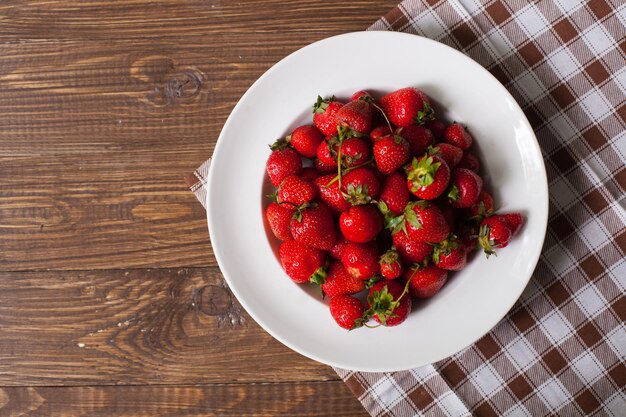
(382, 305)
(485, 242)
(321, 105)
(319, 276)
(281, 144)
(433, 150)
(410, 214)
(298, 213)
(453, 194)
(422, 171)
(445, 247)
(373, 280)
(483, 213)
(357, 195)
(425, 115)
(390, 257)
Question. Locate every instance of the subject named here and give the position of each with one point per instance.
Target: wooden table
(111, 302)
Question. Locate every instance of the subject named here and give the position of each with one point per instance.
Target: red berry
(438, 128)
(449, 153)
(465, 189)
(390, 153)
(428, 177)
(426, 281)
(361, 259)
(387, 303)
(359, 94)
(407, 106)
(360, 185)
(324, 112)
(418, 137)
(425, 222)
(281, 164)
(346, 311)
(448, 212)
(354, 151)
(379, 132)
(309, 174)
(469, 161)
(483, 207)
(301, 262)
(328, 191)
(457, 135)
(409, 250)
(356, 115)
(323, 168)
(339, 281)
(494, 233)
(394, 193)
(296, 191)
(337, 250)
(450, 255)
(279, 218)
(326, 156)
(468, 235)
(361, 223)
(390, 266)
(515, 221)
(305, 140)
(315, 227)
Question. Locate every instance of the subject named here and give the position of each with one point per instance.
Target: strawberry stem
(371, 102)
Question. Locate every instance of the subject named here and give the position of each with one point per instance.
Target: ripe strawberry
(448, 212)
(324, 168)
(428, 177)
(469, 161)
(305, 140)
(309, 174)
(361, 259)
(379, 132)
(357, 115)
(301, 262)
(347, 311)
(465, 189)
(326, 156)
(390, 153)
(360, 185)
(282, 163)
(494, 233)
(354, 151)
(456, 135)
(359, 94)
(425, 222)
(483, 207)
(438, 128)
(426, 281)
(409, 250)
(418, 137)
(314, 226)
(337, 250)
(361, 223)
(390, 266)
(450, 254)
(407, 106)
(515, 221)
(387, 303)
(339, 281)
(449, 153)
(394, 194)
(279, 218)
(328, 191)
(295, 191)
(324, 112)
(468, 235)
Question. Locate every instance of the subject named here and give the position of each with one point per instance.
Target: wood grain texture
(160, 326)
(261, 400)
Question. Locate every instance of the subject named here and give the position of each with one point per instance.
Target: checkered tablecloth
(561, 349)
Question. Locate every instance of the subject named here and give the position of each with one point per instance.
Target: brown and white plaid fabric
(561, 349)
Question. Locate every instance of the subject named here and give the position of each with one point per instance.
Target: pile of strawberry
(389, 200)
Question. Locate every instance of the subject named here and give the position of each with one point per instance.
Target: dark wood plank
(294, 400)
(161, 326)
(96, 19)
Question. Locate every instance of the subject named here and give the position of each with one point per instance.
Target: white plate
(474, 300)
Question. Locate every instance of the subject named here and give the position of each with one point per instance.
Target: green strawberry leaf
(411, 217)
(453, 194)
(319, 276)
(425, 115)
